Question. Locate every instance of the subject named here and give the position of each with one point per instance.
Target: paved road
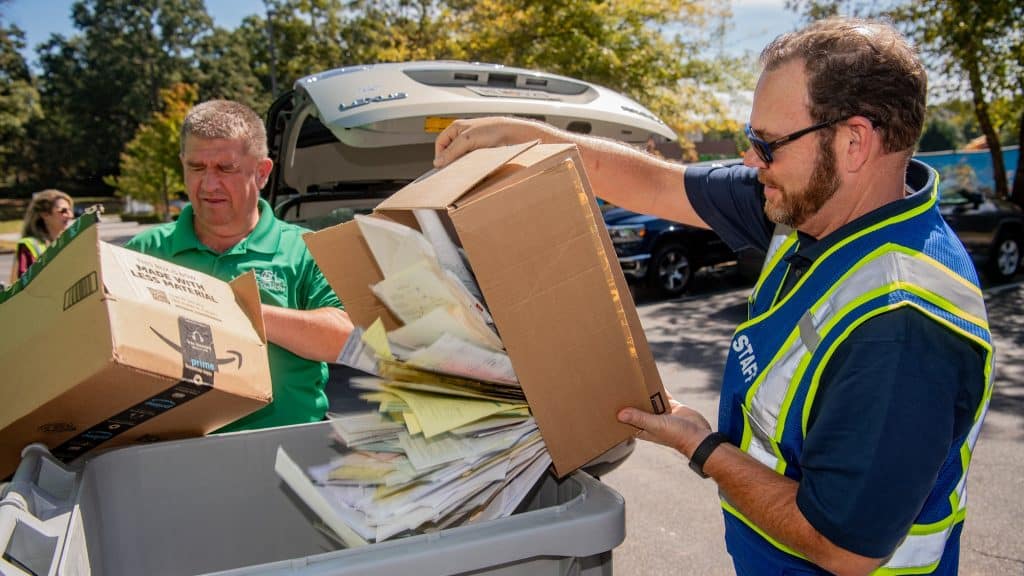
(673, 523)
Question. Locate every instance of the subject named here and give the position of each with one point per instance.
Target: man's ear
(263, 169)
(861, 142)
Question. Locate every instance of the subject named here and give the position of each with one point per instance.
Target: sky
(755, 22)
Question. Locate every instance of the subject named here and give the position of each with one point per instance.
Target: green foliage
(223, 70)
(970, 47)
(621, 45)
(939, 134)
(150, 167)
(19, 101)
(97, 87)
(295, 39)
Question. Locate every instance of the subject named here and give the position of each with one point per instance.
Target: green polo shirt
(287, 276)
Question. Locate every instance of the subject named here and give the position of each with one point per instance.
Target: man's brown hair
(858, 67)
(229, 120)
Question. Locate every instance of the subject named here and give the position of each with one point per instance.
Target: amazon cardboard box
(103, 346)
(535, 239)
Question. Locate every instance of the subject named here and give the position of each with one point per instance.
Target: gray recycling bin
(215, 505)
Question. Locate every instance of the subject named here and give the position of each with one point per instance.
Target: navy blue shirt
(893, 398)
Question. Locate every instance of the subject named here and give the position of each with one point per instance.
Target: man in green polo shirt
(228, 230)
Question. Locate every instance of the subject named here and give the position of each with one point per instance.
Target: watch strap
(704, 450)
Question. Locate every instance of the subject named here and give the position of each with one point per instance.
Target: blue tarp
(971, 170)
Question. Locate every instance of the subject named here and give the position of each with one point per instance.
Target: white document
(452, 354)
(448, 254)
(517, 488)
(363, 427)
(295, 478)
(415, 290)
(395, 247)
(452, 320)
(357, 354)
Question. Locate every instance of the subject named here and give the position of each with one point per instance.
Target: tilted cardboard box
(103, 346)
(536, 242)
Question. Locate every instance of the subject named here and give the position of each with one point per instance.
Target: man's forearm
(314, 334)
(768, 499)
(638, 181)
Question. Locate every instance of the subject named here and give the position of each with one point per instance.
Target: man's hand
(682, 428)
(764, 496)
(463, 136)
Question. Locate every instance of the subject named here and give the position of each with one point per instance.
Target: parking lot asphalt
(673, 520)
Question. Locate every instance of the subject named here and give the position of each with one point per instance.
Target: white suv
(344, 139)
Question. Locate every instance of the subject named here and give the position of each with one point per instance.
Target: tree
(973, 46)
(223, 70)
(98, 86)
(974, 40)
(150, 164)
(19, 101)
(295, 39)
(643, 48)
(939, 134)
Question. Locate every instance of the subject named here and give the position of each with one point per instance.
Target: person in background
(227, 230)
(855, 392)
(48, 214)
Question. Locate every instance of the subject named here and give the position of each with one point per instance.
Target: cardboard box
(536, 241)
(103, 346)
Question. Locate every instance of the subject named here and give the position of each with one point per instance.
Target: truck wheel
(1004, 261)
(670, 272)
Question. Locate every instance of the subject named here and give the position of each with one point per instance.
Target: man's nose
(209, 181)
(750, 158)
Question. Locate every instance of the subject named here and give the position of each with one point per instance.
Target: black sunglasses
(764, 149)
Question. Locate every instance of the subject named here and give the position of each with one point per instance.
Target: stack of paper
(453, 440)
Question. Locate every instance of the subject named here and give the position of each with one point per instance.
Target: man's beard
(793, 209)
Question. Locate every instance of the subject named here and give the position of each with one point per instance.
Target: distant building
(716, 149)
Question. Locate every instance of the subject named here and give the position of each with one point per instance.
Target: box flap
(60, 310)
(247, 295)
(442, 188)
(349, 267)
(561, 306)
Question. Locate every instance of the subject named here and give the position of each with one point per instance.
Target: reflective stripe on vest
(34, 246)
(783, 242)
(888, 276)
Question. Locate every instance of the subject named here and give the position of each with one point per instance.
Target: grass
(9, 227)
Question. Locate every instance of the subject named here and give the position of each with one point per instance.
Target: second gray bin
(215, 504)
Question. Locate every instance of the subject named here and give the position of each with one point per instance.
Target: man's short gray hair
(226, 119)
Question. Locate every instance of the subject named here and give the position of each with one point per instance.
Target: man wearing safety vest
(855, 391)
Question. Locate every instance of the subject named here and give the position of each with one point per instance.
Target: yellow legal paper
(412, 424)
(439, 414)
(377, 339)
(365, 467)
(387, 402)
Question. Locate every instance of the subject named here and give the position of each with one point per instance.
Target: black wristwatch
(704, 450)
